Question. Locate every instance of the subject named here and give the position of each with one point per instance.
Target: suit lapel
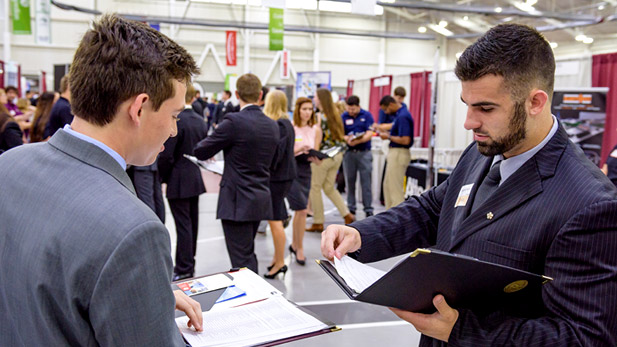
(524, 184)
(91, 155)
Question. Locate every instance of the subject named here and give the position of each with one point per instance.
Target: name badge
(348, 121)
(298, 138)
(614, 154)
(463, 195)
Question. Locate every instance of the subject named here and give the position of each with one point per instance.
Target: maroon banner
(230, 47)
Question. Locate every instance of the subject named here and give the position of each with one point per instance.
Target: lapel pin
(489, 215)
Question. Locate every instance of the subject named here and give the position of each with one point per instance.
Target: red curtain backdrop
(376, 94)
(420, 105)
(349, 87)
(604, 74)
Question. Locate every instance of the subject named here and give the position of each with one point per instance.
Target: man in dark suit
(184, 185)
(523, 196)
(198, 104)
(61, 111)
(249, 140)
(223, 108)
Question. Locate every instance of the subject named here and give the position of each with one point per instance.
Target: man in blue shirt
(401, 139)
(385, 120)
(358, 158)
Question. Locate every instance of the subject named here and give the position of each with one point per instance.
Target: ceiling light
(465, 17)
(441, 30)
(588, 40)
(422, 29)
(580, 37)
(498, 9)
(601, 7)
(443, 23)
(554, 45)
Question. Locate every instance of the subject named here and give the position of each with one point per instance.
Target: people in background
(398, 158)
(61, 114)
(10, 133)
(41, 116)
(535, 203)
(282, 174)
(224, 107)
(308, 136)
(12, 95)
(358, 157)
(249, 140)
(184, 184)
(262, 101)
(610, 167)
(324, 171)
(83, 259)
(385, 119)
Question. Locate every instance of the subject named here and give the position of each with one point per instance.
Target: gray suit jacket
(84, 262)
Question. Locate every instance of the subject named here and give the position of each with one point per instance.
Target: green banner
(276, 29)
(20, 11)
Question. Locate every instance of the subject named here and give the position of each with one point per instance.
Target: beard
(517, 133)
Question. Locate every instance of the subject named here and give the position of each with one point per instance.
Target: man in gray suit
(84, 261)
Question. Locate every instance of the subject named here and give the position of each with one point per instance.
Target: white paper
(214, 166)
(256, 288)
(268, 320)
(358, 276)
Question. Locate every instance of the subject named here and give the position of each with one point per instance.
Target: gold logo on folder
(515, 286)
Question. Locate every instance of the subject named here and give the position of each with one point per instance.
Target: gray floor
(362, 324)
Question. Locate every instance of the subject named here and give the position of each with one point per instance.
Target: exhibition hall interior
(298, 129)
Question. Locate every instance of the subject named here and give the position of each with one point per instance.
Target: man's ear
(537, 101)
(136, 107)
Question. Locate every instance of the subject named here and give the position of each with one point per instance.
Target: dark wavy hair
(118, 59)
(41, 116)
(518, 53)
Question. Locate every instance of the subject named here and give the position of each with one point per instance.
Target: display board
(307, 83)
(583, 114)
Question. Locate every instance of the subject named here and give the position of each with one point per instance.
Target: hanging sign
(276, 29)
(20, 11)
(230, 47)
(284, 64)
(366, 7)
(43, 22)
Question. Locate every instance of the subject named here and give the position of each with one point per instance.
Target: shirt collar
(510, 165)
(247, 105)
(97, 143)
(188, 106)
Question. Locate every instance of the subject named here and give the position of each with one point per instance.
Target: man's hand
(338, 240)
(192, 309)
(315, 160)
(384, 135)
(437, 325)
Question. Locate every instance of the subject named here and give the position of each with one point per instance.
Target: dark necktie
(489, 186)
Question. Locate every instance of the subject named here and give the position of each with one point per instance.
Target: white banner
(366, 7)
(43, 22)
(273, 3)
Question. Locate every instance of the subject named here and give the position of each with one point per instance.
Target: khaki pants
(394, 181)
(323, 177)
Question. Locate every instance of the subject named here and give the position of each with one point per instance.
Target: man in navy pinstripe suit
(553, 212)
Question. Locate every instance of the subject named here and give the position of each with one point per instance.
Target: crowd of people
(93, 265)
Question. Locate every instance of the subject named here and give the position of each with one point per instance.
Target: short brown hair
(118, 59)
(191, 92)
(297, 120)
(248, 87)
(400, 91)
(64, 83)
(518, 53)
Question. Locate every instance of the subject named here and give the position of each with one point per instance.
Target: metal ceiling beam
(510, 11)
(254, 26)
(568, 25)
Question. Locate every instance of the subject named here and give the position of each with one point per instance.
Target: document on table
(271, 319)
(358, 276)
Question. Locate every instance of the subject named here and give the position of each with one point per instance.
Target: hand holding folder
(465, 282)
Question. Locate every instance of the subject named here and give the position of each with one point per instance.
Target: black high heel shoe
(282, 270)
(293, 251)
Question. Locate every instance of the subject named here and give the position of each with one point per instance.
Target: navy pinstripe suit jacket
(556, 215)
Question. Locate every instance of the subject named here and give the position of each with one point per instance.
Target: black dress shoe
(180, 277)
(282, 270)
(299, 261)
(369, 214)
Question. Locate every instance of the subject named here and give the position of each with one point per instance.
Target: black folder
(313, 153)
(465, 282)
